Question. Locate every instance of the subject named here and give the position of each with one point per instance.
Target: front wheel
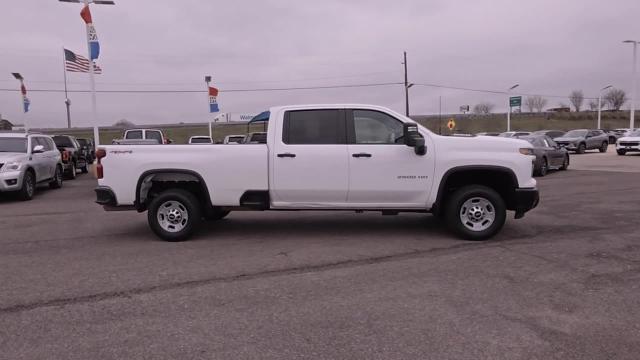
(28, 186)
(621, 151)
(544, 168)
(581, 148)
(174, 215)
(604, 147)
(475, 212)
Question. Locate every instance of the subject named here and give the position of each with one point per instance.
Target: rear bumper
(525, 200)
(105, 196)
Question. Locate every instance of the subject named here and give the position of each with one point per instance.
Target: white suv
(26, 160)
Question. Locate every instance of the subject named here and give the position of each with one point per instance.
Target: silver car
(26, 160)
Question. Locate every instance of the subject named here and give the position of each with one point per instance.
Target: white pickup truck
(325, 157)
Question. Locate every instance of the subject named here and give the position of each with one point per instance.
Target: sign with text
(515, 101)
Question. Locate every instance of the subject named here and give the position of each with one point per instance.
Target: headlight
(11, 166)
(526, 151)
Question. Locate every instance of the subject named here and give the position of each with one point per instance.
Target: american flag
(77, 63)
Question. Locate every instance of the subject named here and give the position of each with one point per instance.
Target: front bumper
(11, 180)
(627, 148)
(525, 200)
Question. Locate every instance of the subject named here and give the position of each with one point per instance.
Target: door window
(134, 134)
(154, 135)
(311, 127)
(374, 127)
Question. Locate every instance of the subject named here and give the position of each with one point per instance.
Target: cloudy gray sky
(547, 46)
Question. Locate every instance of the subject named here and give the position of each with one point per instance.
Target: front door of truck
(310, 166)
(383, 171)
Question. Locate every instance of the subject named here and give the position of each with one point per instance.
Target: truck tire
(28, 186)
(603, 148)
(56, 183)
(71, 174)
(475, 212)
(581, 148)
(174, 215)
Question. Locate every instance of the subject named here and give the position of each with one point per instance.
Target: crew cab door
(383, 171)
(309, 159)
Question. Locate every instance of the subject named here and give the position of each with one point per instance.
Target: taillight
(65, 156)
(100, 153)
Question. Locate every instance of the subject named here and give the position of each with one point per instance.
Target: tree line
(612, 99)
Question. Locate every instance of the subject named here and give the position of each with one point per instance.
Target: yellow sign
(451, 124)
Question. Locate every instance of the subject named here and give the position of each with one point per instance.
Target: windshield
(635, 133)
(62, 141)
(18, 145)
(576, 133)
(506, 134)
(200, 141)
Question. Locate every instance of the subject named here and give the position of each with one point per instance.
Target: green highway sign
(515, 101)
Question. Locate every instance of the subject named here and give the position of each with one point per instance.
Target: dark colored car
(584, 139)
(550, 133)
(88, 149)
(76, 157)
(549, 156)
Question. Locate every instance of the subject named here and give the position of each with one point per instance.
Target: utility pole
(600, 105)
(406, 86)
(634, 84)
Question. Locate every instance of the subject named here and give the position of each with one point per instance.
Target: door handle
(290, 155)
(359, 155)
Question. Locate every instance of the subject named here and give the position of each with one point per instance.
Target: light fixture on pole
(509, 108)
(92, 38)
(600, 104)
(634, 84)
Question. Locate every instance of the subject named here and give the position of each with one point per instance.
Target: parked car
(509, 134)
(325, 157)
(88, 149)
(234, 139)
(488, 134)
(613, 136)
(200, 140)
(70, 144)
(629, 143)
(550, 133)
(549, 156)
(146, 134)
(256, 138)
(584, 139)
(28, 159)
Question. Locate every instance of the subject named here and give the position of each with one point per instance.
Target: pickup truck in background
(149, 135)
(325, 157)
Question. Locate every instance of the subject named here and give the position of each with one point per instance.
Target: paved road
(562, 283)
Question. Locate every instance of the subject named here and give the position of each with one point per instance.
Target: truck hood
(6, 157)
(570, 139)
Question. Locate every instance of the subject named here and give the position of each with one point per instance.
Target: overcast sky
(547, 46)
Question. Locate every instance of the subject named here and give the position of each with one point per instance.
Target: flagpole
(66, 96)
(92, 79)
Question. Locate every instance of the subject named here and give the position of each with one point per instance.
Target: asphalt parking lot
(562, 283)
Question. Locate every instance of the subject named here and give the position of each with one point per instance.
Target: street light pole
(509, 104)
(634, 85)
(406, 86)
(600, 104)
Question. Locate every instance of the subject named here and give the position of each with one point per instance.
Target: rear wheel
(174, 215)
(581, 148)
(56, 183)
(475, 212)
(621, 151)
(71, 173)
(28, 186)
(565, 163)
(604, 147)
(544, 168)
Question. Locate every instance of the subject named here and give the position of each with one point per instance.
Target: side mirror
(412, 138)
(37, 149)
(169, 141)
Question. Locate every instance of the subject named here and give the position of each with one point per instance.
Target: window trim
(342, 123)
(351, 126)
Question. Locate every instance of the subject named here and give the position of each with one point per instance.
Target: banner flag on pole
(25, 99)
(85, 14)
(213, 100)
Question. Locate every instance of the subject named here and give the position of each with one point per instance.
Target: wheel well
(152, 183)
(502, 180)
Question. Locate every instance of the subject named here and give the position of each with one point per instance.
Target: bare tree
(538, 102)
(593, 105)
(615, 98)
(483, 108)
(577, 98)
(530, 103)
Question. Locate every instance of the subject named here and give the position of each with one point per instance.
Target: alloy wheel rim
(172, 216)
(477, 214)
(29, 185)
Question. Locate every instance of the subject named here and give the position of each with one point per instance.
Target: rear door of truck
(310, 160)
